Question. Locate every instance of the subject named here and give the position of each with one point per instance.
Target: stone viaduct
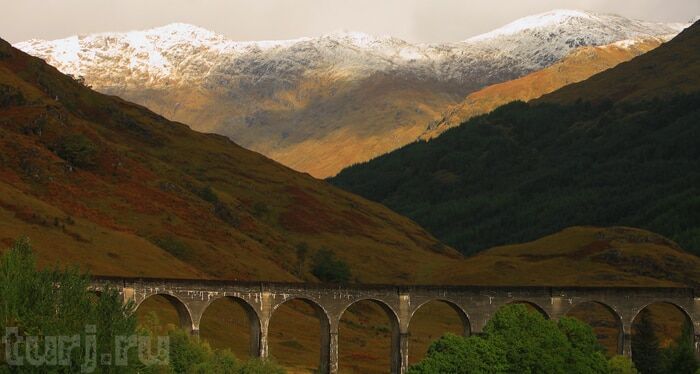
(474, 304)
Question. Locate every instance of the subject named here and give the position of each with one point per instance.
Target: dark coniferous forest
(527, 170)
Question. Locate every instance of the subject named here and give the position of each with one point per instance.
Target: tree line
(528, 170)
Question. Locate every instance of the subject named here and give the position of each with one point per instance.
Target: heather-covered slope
(115, 188)
(527, 170)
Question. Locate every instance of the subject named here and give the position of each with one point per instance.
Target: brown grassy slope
(581, 64)
(320, 126)
(147, 180)
(582, 256)
(666, 71)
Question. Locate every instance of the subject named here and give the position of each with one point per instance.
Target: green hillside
(528, 170)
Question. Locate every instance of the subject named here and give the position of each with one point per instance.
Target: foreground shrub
(622, 365)
(191, 355)
(458, 355)
(517, 340)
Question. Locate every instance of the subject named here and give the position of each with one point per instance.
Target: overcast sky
(412, 20)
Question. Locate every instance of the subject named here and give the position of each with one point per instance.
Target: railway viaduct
(474, 304)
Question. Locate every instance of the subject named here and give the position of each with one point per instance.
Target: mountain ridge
(599, 152)
(295, 100)
(579, 65)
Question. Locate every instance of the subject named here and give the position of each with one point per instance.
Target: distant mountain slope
(320, 104)
(662, 72)
(108, 185)
(527, 170)
(581, 64)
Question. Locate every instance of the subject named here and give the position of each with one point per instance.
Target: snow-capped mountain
(182, 53)
(304, 101)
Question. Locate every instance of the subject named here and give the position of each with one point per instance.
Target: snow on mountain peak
(180, 28)
(357, 38)
(580, 23)
(184, 54)
(536, 21)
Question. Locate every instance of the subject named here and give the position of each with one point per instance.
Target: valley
(560, 150)
(321, 104)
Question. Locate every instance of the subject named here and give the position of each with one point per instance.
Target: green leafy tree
(328, 268)
(532, 343)
(53, 303)
(622, 365)
(518, 340)
(586, 351)
(458, 355)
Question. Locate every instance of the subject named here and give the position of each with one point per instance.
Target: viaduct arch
(475, 305)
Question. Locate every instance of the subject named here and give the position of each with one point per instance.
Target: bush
(260, 209)
(191, 355)
(226, 214)
(621, 365)
(327, 268)
(208, 194)
(173, 246)
(517, 340)
(10, 96)
(221, 210)
(77, 149)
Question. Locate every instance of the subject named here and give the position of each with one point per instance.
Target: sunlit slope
(111, 186)
(526, 170)
(667, 71)
(320, 125)
(581, 64)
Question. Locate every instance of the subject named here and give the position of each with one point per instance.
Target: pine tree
(646, 353)
(680, 358)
